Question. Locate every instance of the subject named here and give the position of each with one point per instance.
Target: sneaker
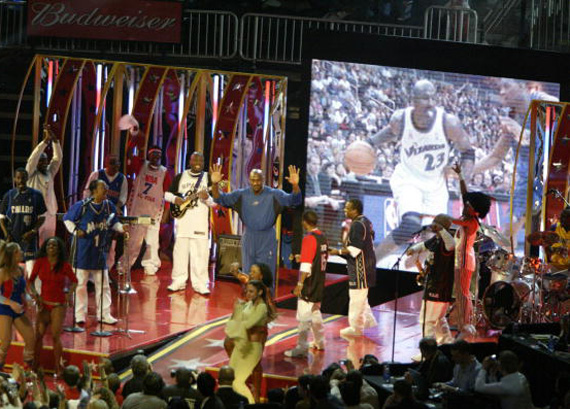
(296, 353)
(110, 320)
(370, 321)
(469, 331)
(176, 287)
(349, 331)
(318, 346)
(203, 292)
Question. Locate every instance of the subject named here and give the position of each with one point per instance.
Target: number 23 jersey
(424, 154)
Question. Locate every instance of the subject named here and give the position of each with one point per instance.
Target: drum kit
(522, 290)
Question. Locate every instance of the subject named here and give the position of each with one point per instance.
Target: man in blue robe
(258, 207)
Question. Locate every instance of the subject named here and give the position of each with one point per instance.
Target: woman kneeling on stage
(12, 290)
(51, 268)
(243, 329)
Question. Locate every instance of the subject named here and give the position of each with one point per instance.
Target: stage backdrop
(233, 118)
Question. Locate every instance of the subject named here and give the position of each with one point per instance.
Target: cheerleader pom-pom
(129, 122)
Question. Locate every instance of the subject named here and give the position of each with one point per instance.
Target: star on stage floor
(188, 363)
(214, 343)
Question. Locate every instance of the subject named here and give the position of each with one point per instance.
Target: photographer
(185, 378)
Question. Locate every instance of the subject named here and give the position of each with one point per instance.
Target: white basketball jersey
(147, 195)
(196, 221)
(424, 155)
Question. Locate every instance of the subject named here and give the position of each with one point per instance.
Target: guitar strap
(197, 185)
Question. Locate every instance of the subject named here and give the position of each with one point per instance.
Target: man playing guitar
(192, 227)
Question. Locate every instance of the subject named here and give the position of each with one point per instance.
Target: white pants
(310, 318)
(436, 325)
(195, 251)
(359, 311)
(150, 235)
(81, 293)
(47, 229)
(111, 254)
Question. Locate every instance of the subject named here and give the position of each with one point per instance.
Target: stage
(187, 329)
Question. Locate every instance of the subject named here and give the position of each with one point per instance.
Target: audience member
(434, 368)
(149, 398)
(403, 398)
(297, 397)
(230, 398)
(321, 398)
(206, 386)
(139, 367)
(185, 378)
(350, 393)
(465, 370)
(513, 389)
(176, 402)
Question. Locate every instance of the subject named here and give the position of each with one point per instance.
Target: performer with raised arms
(258, 207)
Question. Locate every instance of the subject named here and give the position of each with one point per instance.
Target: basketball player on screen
(427, 134)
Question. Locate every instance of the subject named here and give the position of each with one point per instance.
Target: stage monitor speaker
(552, 328)
(229, 251)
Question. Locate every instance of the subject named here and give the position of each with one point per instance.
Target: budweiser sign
(140, 20)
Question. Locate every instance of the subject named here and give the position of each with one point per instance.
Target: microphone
(424, 228)
(87, 201)
(110, 219)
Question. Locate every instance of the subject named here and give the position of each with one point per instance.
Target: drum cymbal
(496, 236)
(542, 238)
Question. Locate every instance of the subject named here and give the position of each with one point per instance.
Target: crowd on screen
(352, 102)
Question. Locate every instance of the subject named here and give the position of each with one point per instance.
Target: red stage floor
(163, 315)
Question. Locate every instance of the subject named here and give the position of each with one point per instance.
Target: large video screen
(389, 136)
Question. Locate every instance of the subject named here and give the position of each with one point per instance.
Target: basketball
(360, 158)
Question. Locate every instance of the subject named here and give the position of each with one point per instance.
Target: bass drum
(502, 302)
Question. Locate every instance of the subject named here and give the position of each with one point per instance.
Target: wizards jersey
(424, 155)
(96, 220)
(23, 209)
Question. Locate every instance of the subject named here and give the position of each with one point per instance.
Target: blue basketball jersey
(22, 209)
(96, 220)
(114, 187)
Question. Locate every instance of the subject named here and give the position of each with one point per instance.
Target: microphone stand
(102, 259)
(396, 267)
(75, 245)
(124, 300)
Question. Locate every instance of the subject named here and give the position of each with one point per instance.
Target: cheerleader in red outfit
(12, 290)
(52, 269)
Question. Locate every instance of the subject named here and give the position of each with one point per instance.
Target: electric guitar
(190, 201)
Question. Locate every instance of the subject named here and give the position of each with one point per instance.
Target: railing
(12, 23)
(550, 25)
(451, 24)
(494, 20)
(280, 39)
(257, 37)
